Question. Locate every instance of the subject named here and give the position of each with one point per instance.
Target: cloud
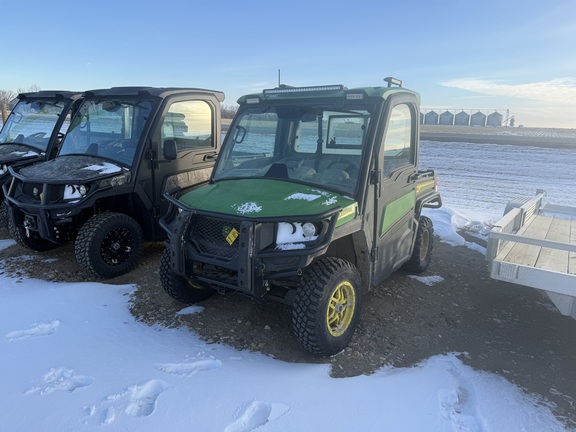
(558, 90)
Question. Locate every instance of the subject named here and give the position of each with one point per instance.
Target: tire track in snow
(188, 369)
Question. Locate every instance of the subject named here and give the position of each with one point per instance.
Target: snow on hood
(73, 168)
(11, 152)
(104, 168)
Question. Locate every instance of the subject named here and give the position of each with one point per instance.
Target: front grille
(55, 192)
(212, 237)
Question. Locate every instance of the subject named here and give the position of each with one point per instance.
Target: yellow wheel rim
(341, 309)
(424, 245)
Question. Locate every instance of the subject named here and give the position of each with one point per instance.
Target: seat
(92, 149)
(333, 175)
(277, 170)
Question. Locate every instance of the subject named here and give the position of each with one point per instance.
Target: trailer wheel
(423, 245)
(327, 306)
(31, 239)
(109, 244)
(178, 287)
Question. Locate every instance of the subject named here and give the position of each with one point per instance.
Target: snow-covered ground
(73, 358)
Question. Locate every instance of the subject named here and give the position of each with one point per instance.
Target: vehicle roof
(286, 93)
(49, 94)
(143, 91)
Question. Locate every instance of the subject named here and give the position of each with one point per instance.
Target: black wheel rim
(117, 247)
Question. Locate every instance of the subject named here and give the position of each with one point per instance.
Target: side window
(398, 150)
(189, 123)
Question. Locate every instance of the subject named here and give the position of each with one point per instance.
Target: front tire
(423, 245)
(4, 214)
(109, 245)
(31, 239)
(178, 287)
(326, 309)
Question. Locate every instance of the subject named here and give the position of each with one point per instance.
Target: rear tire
(178, 287)
(326, 309)
(109, 245)
(423, 245)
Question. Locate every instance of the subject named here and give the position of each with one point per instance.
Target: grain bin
(447, 118)
(431, 118)
(462, 119)
(478, 119)
(494, 119)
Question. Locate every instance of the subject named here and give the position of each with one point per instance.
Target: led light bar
(284, 90)
(393, 81)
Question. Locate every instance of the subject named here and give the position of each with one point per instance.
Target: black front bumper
(230, 252)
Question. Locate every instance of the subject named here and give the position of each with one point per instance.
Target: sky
(516, 55)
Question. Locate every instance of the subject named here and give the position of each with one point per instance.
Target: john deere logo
(231, 234)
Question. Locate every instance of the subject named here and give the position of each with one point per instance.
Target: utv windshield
(31, 122)
(319, 147)
(108, 128)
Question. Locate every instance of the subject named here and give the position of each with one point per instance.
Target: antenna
(279, 78)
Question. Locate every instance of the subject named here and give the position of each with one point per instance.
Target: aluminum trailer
(534, 244)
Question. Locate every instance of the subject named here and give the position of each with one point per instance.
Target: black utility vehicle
(33, 131)
(125, 147)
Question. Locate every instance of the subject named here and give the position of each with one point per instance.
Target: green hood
(254, 198)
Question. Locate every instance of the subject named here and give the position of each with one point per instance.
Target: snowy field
(480, 179)
(73, 357)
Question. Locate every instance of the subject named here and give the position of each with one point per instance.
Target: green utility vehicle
(104, 189)
(33, 131)
(315, 197)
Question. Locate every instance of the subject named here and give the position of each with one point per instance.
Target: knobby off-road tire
(4, 214)
(32, 241)
(327, 305)
(178, 287)
(109, 245)
(422, 253)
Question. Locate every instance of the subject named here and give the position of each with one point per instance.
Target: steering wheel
(37, 135)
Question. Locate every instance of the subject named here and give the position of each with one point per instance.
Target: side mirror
(170, 150)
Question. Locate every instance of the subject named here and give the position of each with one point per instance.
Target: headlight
(296, 232)
(118, 180)
(75, 191)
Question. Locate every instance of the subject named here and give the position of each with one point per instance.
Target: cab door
(192, 125)
(395, 192)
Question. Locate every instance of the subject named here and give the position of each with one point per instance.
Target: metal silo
(494, 119)
(462, 119)
(478, 119)
(447, 118)
(431, 118)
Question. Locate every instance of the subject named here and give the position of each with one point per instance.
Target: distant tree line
(228, 111)
(7, 99)
(7, 96)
